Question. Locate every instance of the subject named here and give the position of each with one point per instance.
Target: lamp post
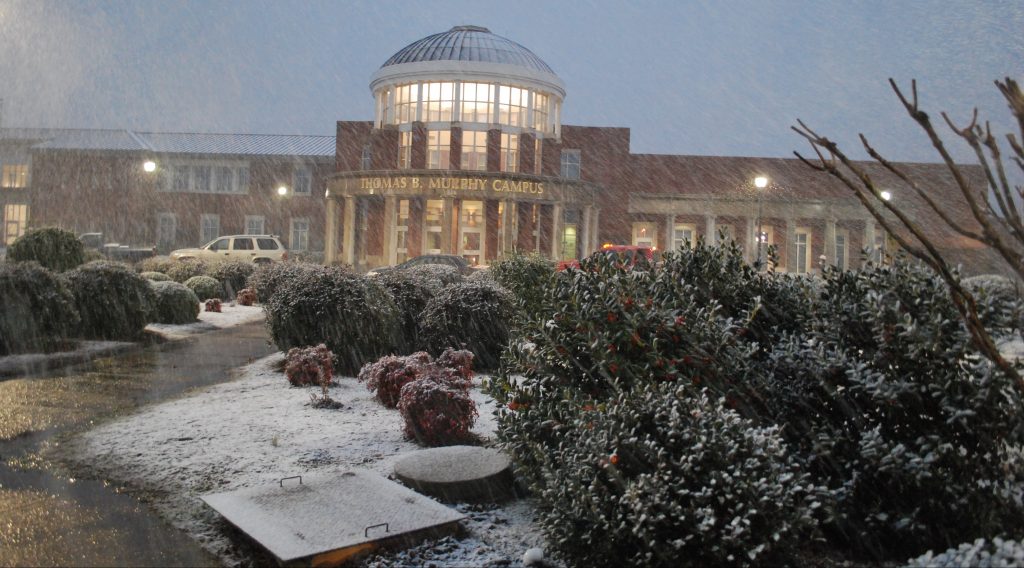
(760, 182)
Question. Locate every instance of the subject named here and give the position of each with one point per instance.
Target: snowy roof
(468, 43)
(176, 142)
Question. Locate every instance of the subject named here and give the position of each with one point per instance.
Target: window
(243, 180)
(182, 178)
(683, 235)
(201, 178)
(299, 234)
(509, 152)
(433, 213)
(840, 250)
(302, 180)
(569, 242)
(765, 240)
(242, 244)
(644, 235)
(802, 251)
(366, 160)
(221, 244)
(438, 101)
(15, 176)
(477, 102)
(266, 244)
(439, 144)
(405, 150)
(474, 151)
(512, 105)
(225, 181)
(209, 227)
(205, 178)
(254, 225)
(15, 221)
(570, 164)
(406, 99)
(537, 155)
(402, 231)
(471, 228)
(540, 112)
(166, 230)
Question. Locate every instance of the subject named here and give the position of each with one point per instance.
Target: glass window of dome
(437, 101)
(474, 150)
(509, 152)
(477, 102)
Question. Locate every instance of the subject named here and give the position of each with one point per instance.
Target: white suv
(258, 249)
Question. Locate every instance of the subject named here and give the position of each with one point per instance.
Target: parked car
(258, 249)
(116, 251)
(628, 254)
(455, 261)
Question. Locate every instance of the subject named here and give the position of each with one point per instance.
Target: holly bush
(37, 311)
(434, 276)
(526, 276)
(267, 277)
(182, 270)
(473, 315)
(205, 287)
(411, 295)
(113, 301)
(175, 303)
(154, 264)
(155, 276)
(354, 317)
(232, 275)
(53, 248)
(436, 408)
(981, 552)
(309, 366)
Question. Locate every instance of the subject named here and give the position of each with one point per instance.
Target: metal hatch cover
(326, 519)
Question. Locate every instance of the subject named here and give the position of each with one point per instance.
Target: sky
(687, 77)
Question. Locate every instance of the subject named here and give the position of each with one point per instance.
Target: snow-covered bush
(386, 376)
(980, 554)
(1000, 299)
(458, 360)
(309, 365)
(53, 248)
(266, 278)
(246, 297)
(435, 276)
(155, 276)
(526, 276)
(232, 275)
(182, 270)
(175, 303)
(37, 311)
(213, 305)
(411, 296)
(482, 275)
(471, 315)
(154, 264)
(355, 318)
(436, 408)
(113, 301)
(204, 287)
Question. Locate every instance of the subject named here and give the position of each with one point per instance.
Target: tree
(1000, 225)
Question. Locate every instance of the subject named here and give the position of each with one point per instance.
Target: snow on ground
(256, 430)
(230, 315)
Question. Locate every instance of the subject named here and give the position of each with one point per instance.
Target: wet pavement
(48, 516)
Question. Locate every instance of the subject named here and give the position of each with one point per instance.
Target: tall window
(182, 178)
(568, 242)
(765, 240)
(225, 179)
(302, 180)
(254, 225)
(299, 234)
(474, 150)
(540, 112)
(840, 250)
(438, 101)
(512, 105)
(243, 180)
(683, 235)
(439, 148)
(509, 152)
(404, 150)
(205, 178)
(477, 102)
(570, 164)
(202, 178)
(166, 230)
(645, 235)
(471, 227)
(432, 226)
(537, 155)
(15, 176)
(802, 251)
(406, 99)
(15, 221)
(366, 159)
(209, 227)
(402, 231)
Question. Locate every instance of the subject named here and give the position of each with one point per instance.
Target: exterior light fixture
(761, 182)
(886, 195)
(149, 166)
(282, 190)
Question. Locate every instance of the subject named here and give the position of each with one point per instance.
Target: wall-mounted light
(149, 166)
(282, 190)
(886, 195)
(761, 182)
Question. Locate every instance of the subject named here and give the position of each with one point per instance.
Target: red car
(627, 253)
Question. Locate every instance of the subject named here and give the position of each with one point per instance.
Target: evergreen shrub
(472, 315)
(182, 270)
(37, 311)
(411, 296)
(156, 276)
(437, 409)
(435, 276)
(309, 366)
(267, 277)
(155, 264)
(355, 318)
(232, 275)
(175, 303)
(526, 276)
(386, 376)
(113, 301)
(1000, 299)
(981, 552)
(56, 249)
(204, 287)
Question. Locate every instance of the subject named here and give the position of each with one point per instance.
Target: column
(830, 242)
(508, 213)
(331, 232)
(348, 244)
(556, 231)
(751, 239)
(670, 233)
(585, 231)
(595, 242)
(791, 245)
(447, 212)
(869, 239)
(388, 240)
(710, 230)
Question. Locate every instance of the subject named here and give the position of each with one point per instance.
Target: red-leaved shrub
(309, 366)
(246, 297)
(459, 360)
(387, 375)
(213, 305)
(437, 410)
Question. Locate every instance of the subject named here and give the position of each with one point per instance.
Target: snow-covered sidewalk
(256, 430)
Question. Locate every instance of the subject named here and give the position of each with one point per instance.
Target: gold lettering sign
(450, 184)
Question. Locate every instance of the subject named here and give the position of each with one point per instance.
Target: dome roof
(469, 43)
